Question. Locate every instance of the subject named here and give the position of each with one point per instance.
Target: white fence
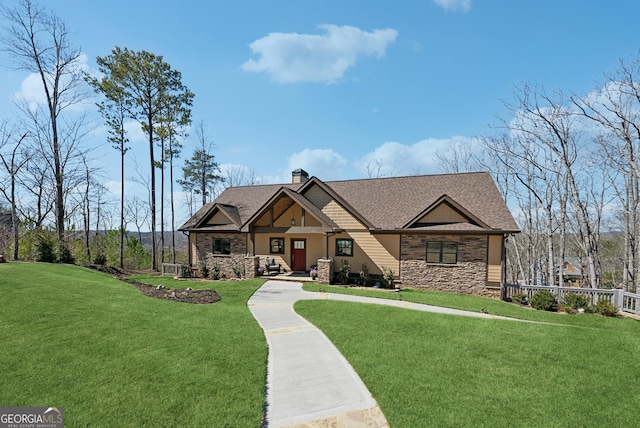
(624, 301)
(170, 269)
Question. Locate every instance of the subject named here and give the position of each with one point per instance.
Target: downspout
(326, 243)
(503, 262)
(188, 246)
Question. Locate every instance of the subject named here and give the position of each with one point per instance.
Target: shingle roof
(388, 203)
(246, 199)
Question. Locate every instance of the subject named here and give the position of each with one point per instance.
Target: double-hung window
(344, 247)
(276, 245)
(221, 246)
(442, 252)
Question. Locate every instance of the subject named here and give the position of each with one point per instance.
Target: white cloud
(396, 159)
(323, 163)
(32, 93)
(454, 5)
(134, 132)
(292, 57)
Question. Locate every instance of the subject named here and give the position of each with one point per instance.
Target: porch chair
(271, 266)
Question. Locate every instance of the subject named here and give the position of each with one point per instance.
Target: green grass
(471, 303)
(112, 357)
(428, 369)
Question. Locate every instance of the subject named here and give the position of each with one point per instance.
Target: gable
(323, 201)
(443, 214)
(219, 218)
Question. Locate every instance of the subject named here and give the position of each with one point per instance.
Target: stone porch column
(251, 264)
(325, 270)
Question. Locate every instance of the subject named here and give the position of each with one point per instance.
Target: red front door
(298, 255)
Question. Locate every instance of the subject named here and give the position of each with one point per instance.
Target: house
(441, 232)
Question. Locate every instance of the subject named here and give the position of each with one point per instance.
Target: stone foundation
(467, 276)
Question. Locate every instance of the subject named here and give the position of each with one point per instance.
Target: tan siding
(314, 248)
(219, 218)
(494, 261)
(193, 239)
(374, 250)
(332, 209)
(443, 213)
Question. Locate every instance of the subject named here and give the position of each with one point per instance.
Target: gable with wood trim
(443, 232)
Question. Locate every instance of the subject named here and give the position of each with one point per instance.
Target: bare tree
(37, 41)
(549, 124)
(13, 161)
(457, 157)
(615, 113)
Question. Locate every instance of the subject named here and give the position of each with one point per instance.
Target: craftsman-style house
(443, 232)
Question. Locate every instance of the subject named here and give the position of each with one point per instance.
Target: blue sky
(331, 86)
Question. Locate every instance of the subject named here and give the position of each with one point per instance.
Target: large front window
(442, 252)
(276, 246)
(344, 247)
(221, 246)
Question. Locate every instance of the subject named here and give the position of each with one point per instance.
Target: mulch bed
(161, 292)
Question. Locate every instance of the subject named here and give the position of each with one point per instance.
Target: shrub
(344, 272)
(387, 277)
(519, 298)
(204, 270)
(238, 268)
(100, 259)
(603, 307)
(44, 248)
(574, 301)
(185, 271)
(65, 255)
(214, 271)
(544, 300)
(364, 275)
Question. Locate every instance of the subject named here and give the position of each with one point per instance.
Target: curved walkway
(309, 382)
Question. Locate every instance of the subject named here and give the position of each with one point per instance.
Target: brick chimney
(299, 176)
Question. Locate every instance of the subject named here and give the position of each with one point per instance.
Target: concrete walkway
(309, 382)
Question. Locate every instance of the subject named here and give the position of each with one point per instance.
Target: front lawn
(428, 369)
(112, 357)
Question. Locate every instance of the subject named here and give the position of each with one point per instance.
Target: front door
(298, 255)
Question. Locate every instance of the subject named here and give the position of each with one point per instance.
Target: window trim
(338, 248)
(219, 246)
(271, 245)
(441, 253)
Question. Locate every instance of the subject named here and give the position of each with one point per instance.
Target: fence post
(618, 297)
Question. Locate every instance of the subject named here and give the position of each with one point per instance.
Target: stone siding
(468, 276)
(204, 248)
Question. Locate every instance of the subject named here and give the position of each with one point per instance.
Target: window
(221, 246)
(276, 246)
(442, 252)
(344, 247)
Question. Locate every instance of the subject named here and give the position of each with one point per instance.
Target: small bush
(238, 268)
(574, 301)
(65, 255)
(204, 270)
(365, 276)
(100, 259)
(519, 298)
(185, 271)
(44, 248)
(214, 271)
(603, 307)
(544, 300)
(388, 277)
(344, 272)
